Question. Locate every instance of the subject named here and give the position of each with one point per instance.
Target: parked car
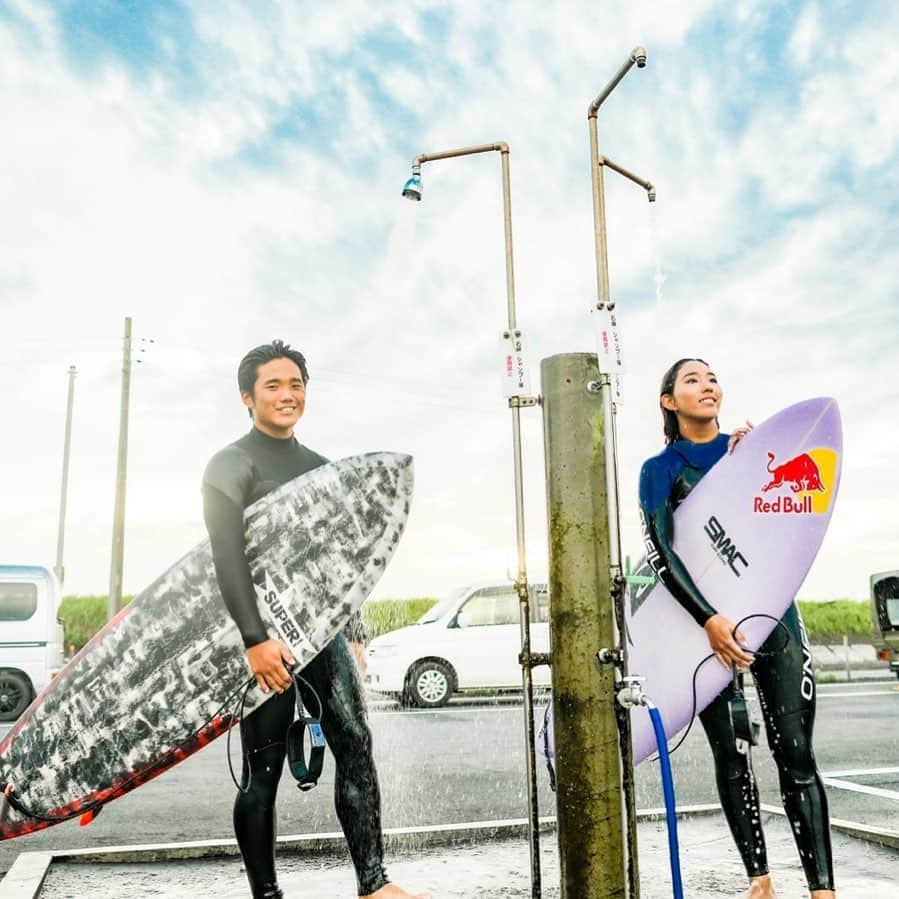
(885, 616)
(469, 640)
(31, 637)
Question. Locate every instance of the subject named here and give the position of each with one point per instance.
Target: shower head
(638, 56)
(412, 188)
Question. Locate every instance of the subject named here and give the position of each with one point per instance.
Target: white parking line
(460, 709)
(860, 772)
(853, 693)
(861, 788)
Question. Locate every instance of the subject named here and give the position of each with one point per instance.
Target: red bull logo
(809, 477)
(801, 473)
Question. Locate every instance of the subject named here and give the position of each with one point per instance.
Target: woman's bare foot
(760, 888)
(823, 894)
(392, 891)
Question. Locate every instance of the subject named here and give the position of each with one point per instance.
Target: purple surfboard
(748, 534)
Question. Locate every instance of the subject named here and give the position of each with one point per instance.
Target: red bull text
(783, 505)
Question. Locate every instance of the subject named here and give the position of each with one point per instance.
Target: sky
(227, 173)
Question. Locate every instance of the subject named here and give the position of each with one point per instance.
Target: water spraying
(659, 277)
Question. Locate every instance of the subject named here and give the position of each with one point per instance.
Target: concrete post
(64, 490)
(114, 601)
(589, 797)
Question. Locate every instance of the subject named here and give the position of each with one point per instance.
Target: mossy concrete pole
(589, 796)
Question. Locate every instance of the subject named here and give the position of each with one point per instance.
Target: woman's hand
(738, 435)
(720, 631)
(267, 661)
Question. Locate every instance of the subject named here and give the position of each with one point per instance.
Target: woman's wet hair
(669, 418)
(277, 349)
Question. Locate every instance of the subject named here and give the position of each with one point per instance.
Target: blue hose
(670, 809)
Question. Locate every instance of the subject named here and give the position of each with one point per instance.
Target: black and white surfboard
(153, 686)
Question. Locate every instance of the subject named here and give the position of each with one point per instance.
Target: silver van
(31, 637)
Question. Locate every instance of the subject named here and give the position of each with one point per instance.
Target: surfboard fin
(87, 817)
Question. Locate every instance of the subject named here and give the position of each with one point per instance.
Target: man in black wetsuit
(272, 379)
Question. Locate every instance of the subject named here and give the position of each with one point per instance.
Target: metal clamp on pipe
(608, 656)
(534, 659)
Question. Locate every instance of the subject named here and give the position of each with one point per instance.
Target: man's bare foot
(761, 888)
(392, 891)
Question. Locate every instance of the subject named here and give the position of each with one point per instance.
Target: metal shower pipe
(597, 163)
(521, 584)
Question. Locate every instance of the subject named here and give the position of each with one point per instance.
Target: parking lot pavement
(466, 763)
(710, 866)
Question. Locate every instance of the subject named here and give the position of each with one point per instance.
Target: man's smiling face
(278, 398)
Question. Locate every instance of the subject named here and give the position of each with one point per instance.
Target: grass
(82, 617)
(826, 622)
(385, 615)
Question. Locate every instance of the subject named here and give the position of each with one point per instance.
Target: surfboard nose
(399, 469)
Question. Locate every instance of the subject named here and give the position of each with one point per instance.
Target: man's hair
(277, 349)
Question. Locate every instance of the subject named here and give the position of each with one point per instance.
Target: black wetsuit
(783, 677)
(236, 477)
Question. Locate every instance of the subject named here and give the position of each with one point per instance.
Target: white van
(469, 640)
(31, 637)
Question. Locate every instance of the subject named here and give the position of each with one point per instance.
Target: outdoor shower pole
(617, 583)
(589, 791)
(413, 191)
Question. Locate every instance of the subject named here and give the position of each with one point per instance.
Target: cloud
(254, 192)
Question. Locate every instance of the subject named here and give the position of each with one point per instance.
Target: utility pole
(61, 534)
(114, 601)
(589, 796)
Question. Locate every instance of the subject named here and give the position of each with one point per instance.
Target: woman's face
(696, 395)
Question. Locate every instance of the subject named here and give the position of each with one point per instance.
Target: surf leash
(305, 771)
(711, 655)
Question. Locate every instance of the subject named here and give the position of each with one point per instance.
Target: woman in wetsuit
(690, 401)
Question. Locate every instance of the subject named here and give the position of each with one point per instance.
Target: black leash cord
(712, 655)
(243, 744)
(239, 716)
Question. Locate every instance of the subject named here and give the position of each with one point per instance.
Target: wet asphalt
(466, 763)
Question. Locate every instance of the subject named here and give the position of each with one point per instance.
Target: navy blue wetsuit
(236, 477)
(786, 689)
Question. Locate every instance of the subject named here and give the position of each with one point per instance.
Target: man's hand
(361, 655)
(738, 435)
(267, 661)
(727, 650)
